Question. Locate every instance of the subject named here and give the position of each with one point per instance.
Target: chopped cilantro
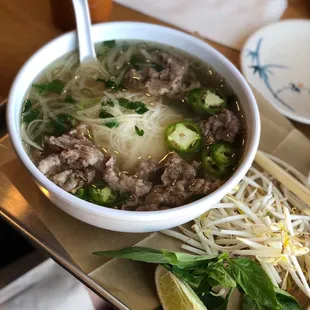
(111, 85)
(141, 109)
(112, 124)
(105, 114)
(140, 132)
(56, 86)
(138, 106)
(70, 99)
(29, 113)
(60, 125)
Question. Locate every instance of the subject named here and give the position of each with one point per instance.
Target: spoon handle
(83, 24)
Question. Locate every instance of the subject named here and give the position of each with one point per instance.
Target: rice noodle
(123, 141)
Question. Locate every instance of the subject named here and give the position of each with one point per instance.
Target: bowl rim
(124, 215)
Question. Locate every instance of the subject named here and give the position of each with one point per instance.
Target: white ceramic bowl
(118, 220)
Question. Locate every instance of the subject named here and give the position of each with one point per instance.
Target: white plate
(276, 61)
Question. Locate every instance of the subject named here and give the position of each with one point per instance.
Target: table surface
(28, 25)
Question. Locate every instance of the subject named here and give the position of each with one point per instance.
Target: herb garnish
(56, 86)
(140, 132)
(203, 272)
(138, 106)
(111, 85)
(70, 99)
(108, 102)
(105, 114)
(29, 113)
(60, 125)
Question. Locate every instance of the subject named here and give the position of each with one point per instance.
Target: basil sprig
(203, 272)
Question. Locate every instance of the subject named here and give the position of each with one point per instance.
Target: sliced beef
(82, 156)
(78, 136)
(171, 81)
(171, 195)
(223, 126)
(152, 207)
(50, 165)
(65, 142)
(124, 182)
(72, 179)
(131, 204)
(146, 168)
(201, 187)
(179, 192)
(75, 161)
(80, 132)
(36, 156)
(176, 168)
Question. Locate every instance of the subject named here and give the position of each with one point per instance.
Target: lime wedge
(175, 294)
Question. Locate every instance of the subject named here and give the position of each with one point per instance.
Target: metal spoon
(83, 24)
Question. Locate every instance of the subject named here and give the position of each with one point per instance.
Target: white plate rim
(289, 114)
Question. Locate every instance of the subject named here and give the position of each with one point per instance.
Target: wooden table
(27, 24)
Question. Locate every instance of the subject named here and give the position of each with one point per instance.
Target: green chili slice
(183, 137)
(207, 100)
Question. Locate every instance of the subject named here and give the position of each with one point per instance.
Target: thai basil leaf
(254, 281)
(56, 86)
(215, 302)
(287, 301)
(184, 260)
(141, 254)
(192, 280)
(221, 276)
(148, 255)
(140, 132)
(250, 304)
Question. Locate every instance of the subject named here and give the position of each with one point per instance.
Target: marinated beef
(172, 81)
(152, 207)
(176, 168)
(50, 165)
(82, 156)
(75, 160)
(145, 168)
(80, 132)
(179, 192)
(223, 126)
(36, 156)
(72, 179)
(131, 204)
(77, 136)
(124, 182)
